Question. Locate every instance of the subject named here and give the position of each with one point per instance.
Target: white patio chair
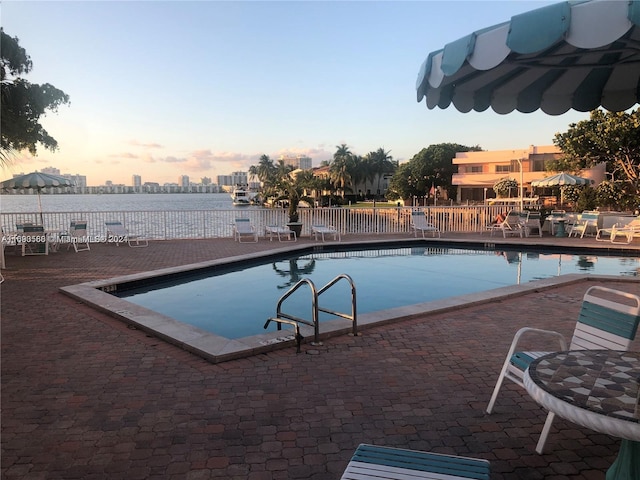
(608, 319)
(242, 228)
(419, 224)
(322, 230)
(33, 240)
(372, 461)
(116, 233)
(531, 221)
(78, 237)
(587, 221)
(510, 226)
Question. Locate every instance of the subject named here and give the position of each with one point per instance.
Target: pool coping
(215, 348)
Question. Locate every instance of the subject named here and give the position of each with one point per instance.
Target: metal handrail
(282, 317)
(353, 317)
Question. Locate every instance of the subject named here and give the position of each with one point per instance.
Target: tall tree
(23, 103)
(432, 166)
(611, 137)
(381, 164)
(342, 168)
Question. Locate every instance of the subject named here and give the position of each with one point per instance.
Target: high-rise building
(236, 178)
(79, 181)
(136, 180)
(183, 180)
(51, 171)
(297, 161)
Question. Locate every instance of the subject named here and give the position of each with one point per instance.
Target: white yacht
(240, 195)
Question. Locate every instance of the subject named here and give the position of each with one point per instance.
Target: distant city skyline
(137, 180)
(236, 80)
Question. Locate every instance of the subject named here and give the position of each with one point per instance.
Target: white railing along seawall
(166, 225)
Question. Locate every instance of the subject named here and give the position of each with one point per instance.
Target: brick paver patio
(84, 396)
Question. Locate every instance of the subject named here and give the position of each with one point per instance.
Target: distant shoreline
(44, 192)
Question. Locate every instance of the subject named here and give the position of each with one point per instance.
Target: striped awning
(573, 55)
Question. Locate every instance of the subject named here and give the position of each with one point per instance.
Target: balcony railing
(165, 225)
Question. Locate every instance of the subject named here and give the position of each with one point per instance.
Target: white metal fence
(165, 225)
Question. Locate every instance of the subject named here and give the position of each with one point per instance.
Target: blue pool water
(236, 303)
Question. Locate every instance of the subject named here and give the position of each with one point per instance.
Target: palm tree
(266, 173)
(265, 169)
(291, 187)
(381, 163)
(366, 170)
(340, 171)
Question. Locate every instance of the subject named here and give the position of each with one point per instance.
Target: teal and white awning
(573, 55)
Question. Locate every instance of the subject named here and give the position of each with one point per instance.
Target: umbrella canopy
(570, 55)
(561, 179)
(36, 181)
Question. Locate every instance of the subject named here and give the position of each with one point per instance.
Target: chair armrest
(562, 342)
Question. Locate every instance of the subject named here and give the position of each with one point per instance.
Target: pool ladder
(288, 319)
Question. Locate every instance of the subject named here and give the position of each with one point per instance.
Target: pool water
(236, 303)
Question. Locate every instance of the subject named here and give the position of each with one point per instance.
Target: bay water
(27, 203)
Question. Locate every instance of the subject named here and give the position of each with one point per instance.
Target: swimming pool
(235, 302)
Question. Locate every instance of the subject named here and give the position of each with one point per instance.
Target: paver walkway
(85, 397)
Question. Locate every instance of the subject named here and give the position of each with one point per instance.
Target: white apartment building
(478, 172)
(227, 182)
(297, 161)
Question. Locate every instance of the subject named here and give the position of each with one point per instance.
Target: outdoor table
(597, 389)
(557, 226)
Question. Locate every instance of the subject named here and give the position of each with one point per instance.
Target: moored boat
(241, 196)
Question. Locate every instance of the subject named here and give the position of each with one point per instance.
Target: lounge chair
(627, 231)
(510, 226)
(116, 233)
(608, 320)
(281, 232)
(242, 228)
(419, 224)
(323, 230)
(78, 236)
(33, 240)
(531, 221)
(374, 462)
(588, 220)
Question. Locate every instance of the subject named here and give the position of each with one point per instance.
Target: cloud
(317, 154)
(206, 160)
(148, 158)
(136, 143)
(124, 155)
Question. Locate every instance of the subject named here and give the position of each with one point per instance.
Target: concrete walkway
(84, 396)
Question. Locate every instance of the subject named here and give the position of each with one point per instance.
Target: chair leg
(499, 383)
(545, 432)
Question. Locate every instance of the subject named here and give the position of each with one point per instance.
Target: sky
(204, 88)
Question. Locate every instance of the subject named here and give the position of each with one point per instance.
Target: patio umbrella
(36, 181)
(560, 180)
(570, 55)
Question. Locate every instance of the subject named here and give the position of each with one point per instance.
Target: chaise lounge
(374, 462)
(419, 224)
(117, 233)
(322, 230)
(281, 232)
